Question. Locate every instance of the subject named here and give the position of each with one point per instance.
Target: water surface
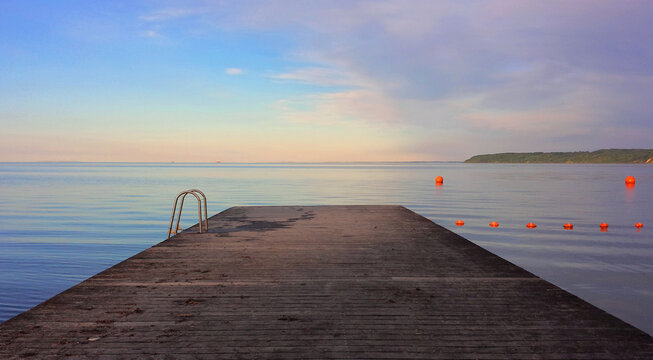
(61, 223)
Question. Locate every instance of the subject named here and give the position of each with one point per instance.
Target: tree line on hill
(603, 156)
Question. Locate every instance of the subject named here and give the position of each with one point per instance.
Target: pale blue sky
(321, 80)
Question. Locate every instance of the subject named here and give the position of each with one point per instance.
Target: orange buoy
(639, 225)
(460, 223)
(531, 225)
(439, 180)
(568, 226)
(630, 180)
(494, 224)
(604, 226)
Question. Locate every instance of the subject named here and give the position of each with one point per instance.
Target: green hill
(604, 156)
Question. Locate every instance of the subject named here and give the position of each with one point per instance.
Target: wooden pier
(324, 282)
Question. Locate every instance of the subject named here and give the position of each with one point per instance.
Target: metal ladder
(183, 194)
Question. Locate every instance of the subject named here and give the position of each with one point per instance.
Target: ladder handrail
(206, 213)
(199, 208)
(183, 195)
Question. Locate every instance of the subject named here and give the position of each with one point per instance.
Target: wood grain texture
(324, 282)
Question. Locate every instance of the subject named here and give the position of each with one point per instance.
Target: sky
(312, 81)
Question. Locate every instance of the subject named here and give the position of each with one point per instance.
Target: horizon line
(224, 162)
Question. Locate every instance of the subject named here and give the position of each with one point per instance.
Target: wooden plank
(345, 282)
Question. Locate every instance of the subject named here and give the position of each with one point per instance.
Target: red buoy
(630, 180)
(639, 225)
(568, 226)
(494, 224)
(439, 180)
(531, 225)
(604, 226)
(460, 223)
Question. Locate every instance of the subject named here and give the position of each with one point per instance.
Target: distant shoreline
(603, 156)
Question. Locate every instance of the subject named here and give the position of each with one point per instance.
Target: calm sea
(61, 223)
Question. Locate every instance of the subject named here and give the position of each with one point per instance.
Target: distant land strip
(603, 156)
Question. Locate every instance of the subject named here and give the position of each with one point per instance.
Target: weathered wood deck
(365, 282)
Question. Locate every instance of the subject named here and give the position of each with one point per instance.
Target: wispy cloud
(320, 76)
(234, 71)
(502, 68)
(150, 34)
